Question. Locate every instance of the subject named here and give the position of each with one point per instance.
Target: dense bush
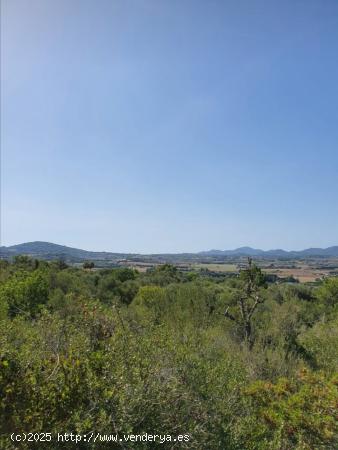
(117, 351)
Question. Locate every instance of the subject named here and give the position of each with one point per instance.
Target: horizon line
(174, 253)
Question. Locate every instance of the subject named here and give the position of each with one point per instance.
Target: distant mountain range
(278, 253)
(47, 250)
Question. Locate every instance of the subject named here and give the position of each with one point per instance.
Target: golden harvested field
(303, 274)
(216, 267)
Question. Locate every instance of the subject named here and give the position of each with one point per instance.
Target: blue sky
(165, 126)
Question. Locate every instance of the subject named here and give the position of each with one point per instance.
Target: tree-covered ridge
(235, 362)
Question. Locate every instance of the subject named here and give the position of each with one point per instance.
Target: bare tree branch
(230, 316)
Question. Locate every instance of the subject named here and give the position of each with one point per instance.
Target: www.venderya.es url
(97, 437)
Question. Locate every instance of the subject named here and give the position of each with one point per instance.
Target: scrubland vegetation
(235, 362)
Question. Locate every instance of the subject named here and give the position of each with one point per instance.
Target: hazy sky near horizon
(164, 126)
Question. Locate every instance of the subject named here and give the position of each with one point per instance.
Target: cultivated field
(305, 271)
